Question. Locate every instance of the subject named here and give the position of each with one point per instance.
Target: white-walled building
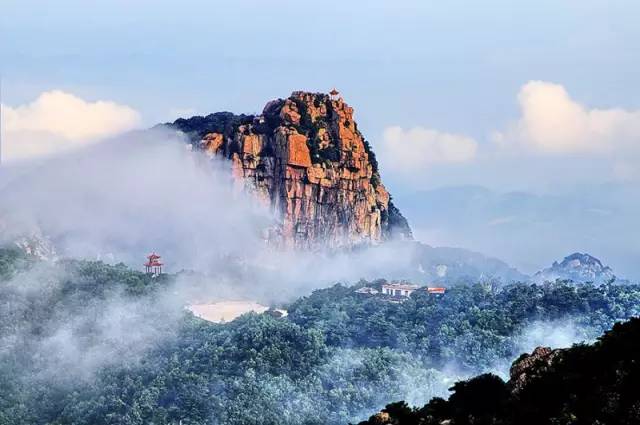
(398, 289)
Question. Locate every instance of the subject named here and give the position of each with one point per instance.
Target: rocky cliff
(305, 157)
(530, 366)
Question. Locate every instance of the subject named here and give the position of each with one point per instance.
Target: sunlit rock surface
(305, 158)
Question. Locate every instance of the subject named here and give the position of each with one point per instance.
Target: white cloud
(552, 122)
(58, 121)
(416, 148)
(572, 142)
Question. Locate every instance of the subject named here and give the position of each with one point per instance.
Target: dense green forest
(89, 343)
(585, 384)
(471, 325)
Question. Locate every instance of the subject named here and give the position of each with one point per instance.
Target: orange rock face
(298, 151)
(251, 144)
(212, 143)
(305, 157)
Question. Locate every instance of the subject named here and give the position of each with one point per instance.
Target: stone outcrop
(529, 366)
(305, 157)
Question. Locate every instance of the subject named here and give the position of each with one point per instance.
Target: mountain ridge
(529, 229)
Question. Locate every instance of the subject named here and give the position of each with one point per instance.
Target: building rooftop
(407, 286)
(432, 290)
(366, 290)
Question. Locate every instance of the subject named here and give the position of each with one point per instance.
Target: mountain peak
(578, 267)
(305, 157)
(578, 259)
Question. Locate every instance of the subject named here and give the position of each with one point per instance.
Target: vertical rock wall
(305, 157)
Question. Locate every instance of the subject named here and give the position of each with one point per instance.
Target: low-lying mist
(125, 197)
(76, 330)
(71, 324)
(145, 191)
(63, 328)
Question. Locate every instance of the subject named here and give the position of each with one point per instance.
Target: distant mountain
(32, 242)
(577, 267)
(37, 245)
(527, 229)
(444, 264)
(426, 264)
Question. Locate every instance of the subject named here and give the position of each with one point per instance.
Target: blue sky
(453, 65)
(486, 75)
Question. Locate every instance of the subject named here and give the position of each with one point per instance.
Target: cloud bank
(552, 122)
(146, 191)
(132, 194)
(574, 142)
(56, 121)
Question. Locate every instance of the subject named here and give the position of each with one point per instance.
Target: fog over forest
(85, 319)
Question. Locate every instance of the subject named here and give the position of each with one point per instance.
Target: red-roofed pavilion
(153, 265)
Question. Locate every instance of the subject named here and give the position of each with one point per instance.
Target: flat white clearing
(225, 311)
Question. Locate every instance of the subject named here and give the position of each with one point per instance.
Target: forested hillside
(585, 384)
(88, 343)
(471, 326)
